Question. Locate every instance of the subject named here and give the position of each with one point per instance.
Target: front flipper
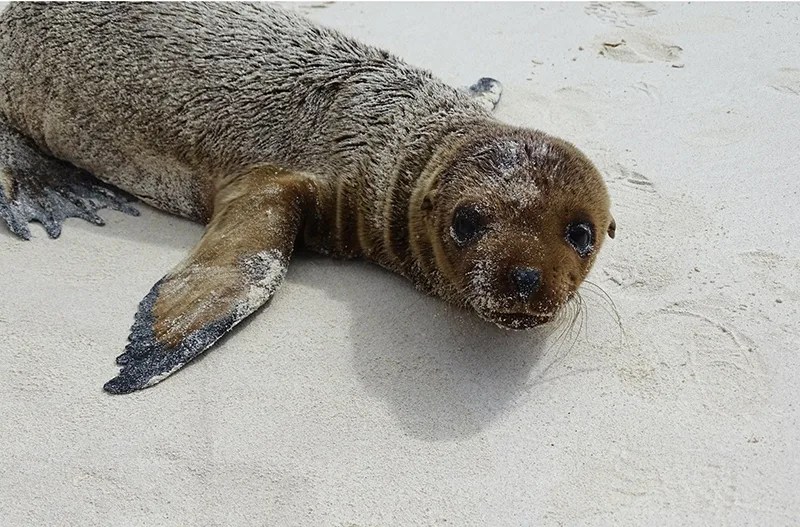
(237, 266)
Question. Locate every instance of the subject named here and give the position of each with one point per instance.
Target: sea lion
(276, 132)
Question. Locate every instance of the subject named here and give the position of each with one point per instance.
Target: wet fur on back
(165, 100)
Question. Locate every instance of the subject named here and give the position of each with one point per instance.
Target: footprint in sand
(637, 47)
(718, 362)
(786, 80)
(650, 90)
(629, 178)
(777, 274)
(307, 8)
(619, 13)
(636, 200)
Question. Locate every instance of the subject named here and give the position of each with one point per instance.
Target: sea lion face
(519, 221)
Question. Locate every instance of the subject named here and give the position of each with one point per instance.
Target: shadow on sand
(444, 373)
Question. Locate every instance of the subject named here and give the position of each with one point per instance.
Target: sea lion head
(515, 221)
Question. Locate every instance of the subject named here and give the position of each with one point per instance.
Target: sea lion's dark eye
(581, 237)
(467, 224)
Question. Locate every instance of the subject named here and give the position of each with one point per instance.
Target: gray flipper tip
(120, 385)
(488, 91)
(52, 228)
(17, 225)
(146, 361)
(485, 84)
(21, 231)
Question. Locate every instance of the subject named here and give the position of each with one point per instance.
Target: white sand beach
(353, 399)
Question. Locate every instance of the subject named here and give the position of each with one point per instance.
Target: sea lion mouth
(518, 320)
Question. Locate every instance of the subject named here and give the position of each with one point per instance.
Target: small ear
(612, 228)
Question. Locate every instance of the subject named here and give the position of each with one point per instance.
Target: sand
(355, 400)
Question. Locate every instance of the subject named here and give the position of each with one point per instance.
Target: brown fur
(526, 230)
(356, 153)
(212, 280)
(7, 182)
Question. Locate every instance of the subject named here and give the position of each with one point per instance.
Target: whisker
(608, 305)
(580, 313)
(601, 293)
(567, 317)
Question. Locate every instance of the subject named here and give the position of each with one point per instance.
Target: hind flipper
(487, 91)
(237, 266)
(37, 187)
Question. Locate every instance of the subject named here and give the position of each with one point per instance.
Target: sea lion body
(168, 100)
(273, 130)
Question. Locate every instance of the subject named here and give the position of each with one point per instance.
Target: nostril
(526, 280)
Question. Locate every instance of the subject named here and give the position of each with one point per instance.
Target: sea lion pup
(276, 132)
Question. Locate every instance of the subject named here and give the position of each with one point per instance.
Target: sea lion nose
(526, 280)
